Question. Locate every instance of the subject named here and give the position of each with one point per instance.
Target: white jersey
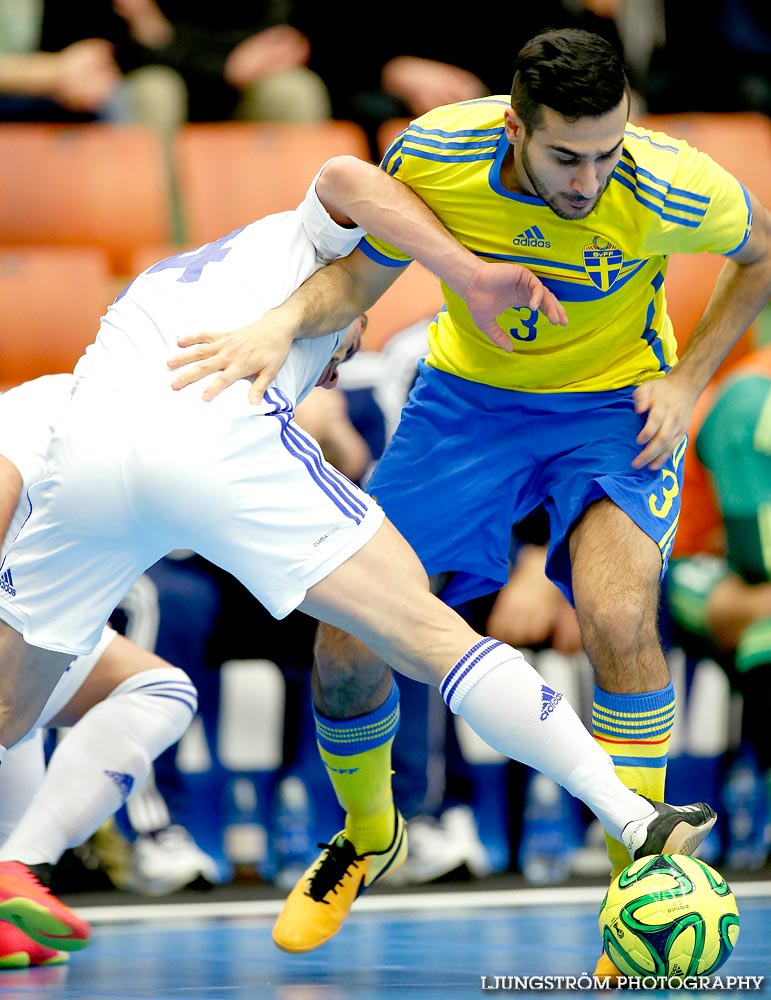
(27, 415)
(135, 470)
(222, 286)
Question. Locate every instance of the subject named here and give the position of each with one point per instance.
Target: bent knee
(336, 651)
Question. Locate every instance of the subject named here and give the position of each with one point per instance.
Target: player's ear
(513, 125)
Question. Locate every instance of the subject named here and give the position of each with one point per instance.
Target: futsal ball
(669, 915)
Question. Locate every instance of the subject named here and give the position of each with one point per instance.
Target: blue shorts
(468, 461)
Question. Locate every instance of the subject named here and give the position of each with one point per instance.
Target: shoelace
(340, 857)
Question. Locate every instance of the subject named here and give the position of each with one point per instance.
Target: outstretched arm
(743, 288)
(358, 192)
(355, 191)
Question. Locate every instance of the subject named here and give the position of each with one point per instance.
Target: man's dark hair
(575, 73)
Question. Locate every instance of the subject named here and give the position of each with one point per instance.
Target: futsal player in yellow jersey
(588, 419)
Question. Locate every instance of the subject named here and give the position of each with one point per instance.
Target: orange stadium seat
(415, 295)
(230, 173)
(99, 185)
(689, 284)
(51, 300)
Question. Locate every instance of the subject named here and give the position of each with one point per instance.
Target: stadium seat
(689, 284)
(230, 173)
(415, 295)
(84, 185)
(51, 300)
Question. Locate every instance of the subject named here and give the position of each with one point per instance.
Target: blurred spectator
(530, 611)
(161, 63)
(232, 60)
(403, 67)
(719, 585)
(736, 75)
(77, 80)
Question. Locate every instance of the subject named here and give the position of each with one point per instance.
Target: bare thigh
(28, 675)
(122, 659)
(381, 598)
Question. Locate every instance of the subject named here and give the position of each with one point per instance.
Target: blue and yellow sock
(357, 755)
(635, 730)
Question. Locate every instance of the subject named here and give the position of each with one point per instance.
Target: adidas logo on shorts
(549, 701)
(6, 583)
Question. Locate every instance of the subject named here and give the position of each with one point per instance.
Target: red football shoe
(32, 907)
(17, 951)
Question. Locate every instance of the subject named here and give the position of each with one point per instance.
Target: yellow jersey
(607, 269)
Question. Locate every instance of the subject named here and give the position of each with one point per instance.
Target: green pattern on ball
(669, 915)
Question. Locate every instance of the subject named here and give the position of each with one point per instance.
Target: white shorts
(138, 470)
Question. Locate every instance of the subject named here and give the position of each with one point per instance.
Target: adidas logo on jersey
(532, 237)
(6, 583)
(549, 701)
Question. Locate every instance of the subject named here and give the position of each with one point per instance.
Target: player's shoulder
(462, 132)
(660, 155)
(654, 151)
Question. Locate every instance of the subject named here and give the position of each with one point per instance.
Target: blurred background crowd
(167, 96)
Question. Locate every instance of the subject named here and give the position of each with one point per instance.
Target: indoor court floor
(432, 946)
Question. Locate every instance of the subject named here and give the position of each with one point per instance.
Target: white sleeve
(330, 239)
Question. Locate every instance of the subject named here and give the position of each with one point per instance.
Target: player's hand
(497, 287)
(530, 611)
(257, 349)
(669, 403)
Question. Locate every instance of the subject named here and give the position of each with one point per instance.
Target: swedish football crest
(602, 262)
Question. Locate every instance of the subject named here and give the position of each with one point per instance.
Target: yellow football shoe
(320, 901)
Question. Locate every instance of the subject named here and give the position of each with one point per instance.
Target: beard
(549, 197)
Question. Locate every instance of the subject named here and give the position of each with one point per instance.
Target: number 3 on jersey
(528, 318)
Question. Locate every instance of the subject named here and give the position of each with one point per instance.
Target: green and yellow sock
(635, 730)
(357, 755)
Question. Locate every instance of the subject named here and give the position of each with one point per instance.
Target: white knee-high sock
(21, 776)
(510, 706)
(100, 761)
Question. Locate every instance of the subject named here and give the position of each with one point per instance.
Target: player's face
(568, 163)
(346, 349)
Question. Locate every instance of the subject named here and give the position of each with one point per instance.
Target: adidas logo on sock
(549, 701)
(125, 782)
(6, 583)
(532, 237)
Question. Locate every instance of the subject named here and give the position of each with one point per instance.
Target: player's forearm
(392, 212)
(330, 300)
(32, 73)
(742, 290)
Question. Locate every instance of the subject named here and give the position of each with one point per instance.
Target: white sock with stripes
(508, 704)
(100, 761)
